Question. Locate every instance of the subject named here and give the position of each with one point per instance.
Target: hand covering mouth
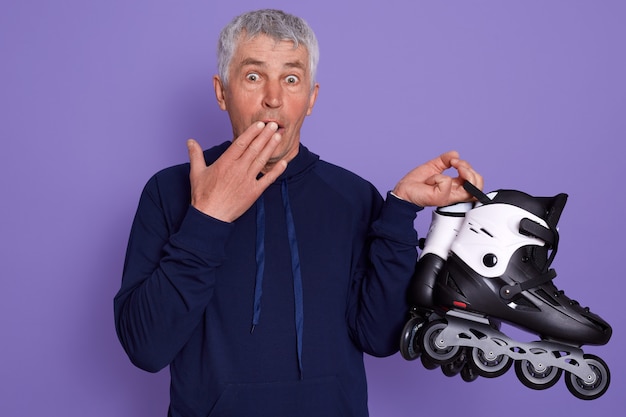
(281, 127)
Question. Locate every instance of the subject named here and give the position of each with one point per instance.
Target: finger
(271, 176)
(441, 163)
(466, 172)
(441, 186)
(476, 179)
(458, 163)
(196, 156)
(262, 148)
(244, 140)
(447, 159)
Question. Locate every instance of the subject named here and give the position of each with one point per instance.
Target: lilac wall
(97, 96)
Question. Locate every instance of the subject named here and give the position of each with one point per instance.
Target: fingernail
(277, 137)
(273, 125)
(260, 125)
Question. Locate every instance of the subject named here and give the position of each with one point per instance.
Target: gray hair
(276, 24)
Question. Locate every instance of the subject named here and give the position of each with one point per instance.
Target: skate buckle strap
(473, 190)
(549, 235)
(509, 291)
(530, 227)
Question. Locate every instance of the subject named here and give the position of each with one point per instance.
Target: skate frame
(475, 331)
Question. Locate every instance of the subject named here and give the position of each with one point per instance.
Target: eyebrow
(255, 62)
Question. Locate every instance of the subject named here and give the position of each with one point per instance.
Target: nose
(273, 95)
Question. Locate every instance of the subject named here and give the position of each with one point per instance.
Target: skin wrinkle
(269, 97)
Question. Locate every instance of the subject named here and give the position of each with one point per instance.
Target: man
(259, 273)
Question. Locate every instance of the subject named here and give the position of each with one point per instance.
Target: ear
(312, 99)
(220, 92)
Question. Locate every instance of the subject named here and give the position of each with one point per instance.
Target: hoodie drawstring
(260, 260)
(295, 270)
(295, 267)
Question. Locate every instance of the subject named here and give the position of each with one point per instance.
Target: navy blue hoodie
(269, 315)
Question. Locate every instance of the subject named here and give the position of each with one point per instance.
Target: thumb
(196, 156)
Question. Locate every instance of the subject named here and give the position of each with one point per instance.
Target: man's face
(269, 81)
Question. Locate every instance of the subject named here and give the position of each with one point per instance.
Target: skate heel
(444, 227)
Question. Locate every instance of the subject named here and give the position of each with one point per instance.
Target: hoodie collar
(298, 166)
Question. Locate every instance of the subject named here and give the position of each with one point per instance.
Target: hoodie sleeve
(378, 307)
(168, 277)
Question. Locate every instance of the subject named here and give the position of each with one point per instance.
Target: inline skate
(489, 263)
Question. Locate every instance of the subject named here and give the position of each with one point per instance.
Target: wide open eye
(292, 79)
(253, 77)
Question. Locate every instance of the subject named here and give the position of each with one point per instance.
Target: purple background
(96, 96)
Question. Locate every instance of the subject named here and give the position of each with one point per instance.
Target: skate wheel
(409, 343)
(490, 365)
(468, 373)
(590, 391)
(450, 369)
(536, 379)
(428, 363)
(431, 346)
(455, 365)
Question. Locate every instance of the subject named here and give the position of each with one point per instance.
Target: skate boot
(446, 223)
(498, 269)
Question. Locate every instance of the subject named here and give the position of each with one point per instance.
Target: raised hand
(426, 185)
(230, 186)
